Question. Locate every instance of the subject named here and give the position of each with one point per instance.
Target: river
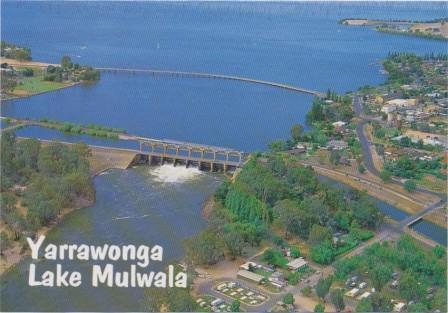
(295, 43)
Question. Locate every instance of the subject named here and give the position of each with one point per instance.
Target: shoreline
(99, 164)
(33, 64)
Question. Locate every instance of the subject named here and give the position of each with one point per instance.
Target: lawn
(36, 84)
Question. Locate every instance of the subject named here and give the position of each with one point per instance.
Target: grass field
(35, 84)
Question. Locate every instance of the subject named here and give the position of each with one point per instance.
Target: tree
(323, 253)
(381, 302)
(380, 275)
(365, 305)
(306, 291)
(319, 308)
(206, 248)
(361, 169)
(234, 244)
(337, 298)
(323, 286)
(410, 185)
(410, 288)
(277, 146)
(235, 306)
(288, 298)
(289, 217)
(66, 62)
(296, 132)
(417, 308)
(385, 176)
(319, 234)
(439, 251)
(335, 156)
(295, 251)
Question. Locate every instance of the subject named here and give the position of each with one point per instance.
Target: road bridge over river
(212, 76)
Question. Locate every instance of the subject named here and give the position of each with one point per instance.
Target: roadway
(369, 164)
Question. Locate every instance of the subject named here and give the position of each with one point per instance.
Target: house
(337, 145)
(297, 264)
(388, 109)
(402, 103)
(339, 126)
(399, 306)
(278, 279)
(253, 277)
(248, 265)
(352, 292)
(364, 295)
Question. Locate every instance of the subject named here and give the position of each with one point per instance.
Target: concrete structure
(205, 157)
(253, 277)
(297, 264)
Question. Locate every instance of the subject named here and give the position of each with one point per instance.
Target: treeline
(71, 71)
(38, 181)
(274, 192)
(419, 270)
(14, 52)
(89, 129)
(403, 68)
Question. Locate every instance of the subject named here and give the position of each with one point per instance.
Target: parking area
(209, 303)
(242, 293)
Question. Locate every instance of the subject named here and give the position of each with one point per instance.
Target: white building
(297, 264)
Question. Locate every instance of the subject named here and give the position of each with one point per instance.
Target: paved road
(368, 161)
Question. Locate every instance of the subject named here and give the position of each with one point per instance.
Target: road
(369, 164)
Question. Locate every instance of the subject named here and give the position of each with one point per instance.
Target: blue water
(296, 43)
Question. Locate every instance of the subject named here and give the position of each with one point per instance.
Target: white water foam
(167, 173)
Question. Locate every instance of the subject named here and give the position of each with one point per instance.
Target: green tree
(337, 298)
(319, 234)
(385, 176)
(319, 308)
(361, 169)
(296, 132)
(323, 253)
(365, 305)
(381, 302)
(417, 308)
(323, 286)
(66, 62)
(410, 185)
(205, 249)
(235, 306)
(439, 251)
(288, 298)
(410, 288)
(380, 275)
(295, 252)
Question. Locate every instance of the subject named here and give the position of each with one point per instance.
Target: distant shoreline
(436, 29)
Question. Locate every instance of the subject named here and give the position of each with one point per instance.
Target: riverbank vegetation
(38, 182)
(274, 198)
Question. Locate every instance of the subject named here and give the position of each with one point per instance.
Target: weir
(204, 157)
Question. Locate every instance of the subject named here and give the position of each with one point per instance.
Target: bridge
(413, 219)
(212, 76)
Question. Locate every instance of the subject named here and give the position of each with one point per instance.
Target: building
(253, 277)
(388, 109)
(402, 103)
(277, 279)
(399, 306)
(297, 264)
(352, 292)
(337, 145)
(246, 266)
